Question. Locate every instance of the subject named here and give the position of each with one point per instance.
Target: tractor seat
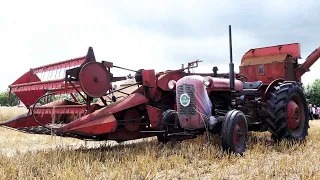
(252, 85)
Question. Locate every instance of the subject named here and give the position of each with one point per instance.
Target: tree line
(5, 101)
(313, 93)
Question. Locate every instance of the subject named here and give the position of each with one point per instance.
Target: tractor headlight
(206, 81)
(172, 84)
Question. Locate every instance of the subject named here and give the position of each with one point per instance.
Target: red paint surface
(223, 84)
(94, 79)
(272, 71)
(28, 97)
(292, 49)
(97, 126)
(166, 77)
(27, 121)
(294, 114)
(131, 117)
(131, 101)
(149, 78)
(155, 115)
(311, 59)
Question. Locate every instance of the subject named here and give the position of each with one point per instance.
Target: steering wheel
(240, 77)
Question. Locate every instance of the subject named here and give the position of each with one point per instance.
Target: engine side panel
(223, 84)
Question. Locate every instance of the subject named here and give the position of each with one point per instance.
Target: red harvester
(266, 95)
(67, 106)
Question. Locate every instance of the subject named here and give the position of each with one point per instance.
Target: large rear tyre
(234, 132)
(288, 112)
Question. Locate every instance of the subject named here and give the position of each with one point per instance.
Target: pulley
(94, 79)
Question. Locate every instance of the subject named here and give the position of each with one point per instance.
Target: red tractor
(266, 95)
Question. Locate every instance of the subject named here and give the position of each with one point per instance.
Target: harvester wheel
(288, 112)
(234, 132)
(168, 124)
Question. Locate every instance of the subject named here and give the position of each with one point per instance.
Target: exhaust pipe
(231, 65)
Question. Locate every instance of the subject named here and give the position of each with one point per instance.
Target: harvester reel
(94, 79)
(288, 112)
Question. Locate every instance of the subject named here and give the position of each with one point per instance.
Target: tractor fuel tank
(221, 84)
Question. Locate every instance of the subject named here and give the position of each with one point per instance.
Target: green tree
(313, 92)
(5, 101)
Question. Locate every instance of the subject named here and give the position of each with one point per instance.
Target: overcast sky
(158, 34)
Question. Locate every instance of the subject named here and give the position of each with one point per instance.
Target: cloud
(144, 34)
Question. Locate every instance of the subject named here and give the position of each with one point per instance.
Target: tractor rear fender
(272, 84)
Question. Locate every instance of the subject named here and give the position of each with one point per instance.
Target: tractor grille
(189, 110)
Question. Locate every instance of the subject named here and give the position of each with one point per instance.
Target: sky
(157, 34)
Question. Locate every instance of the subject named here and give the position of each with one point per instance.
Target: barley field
(25, 156)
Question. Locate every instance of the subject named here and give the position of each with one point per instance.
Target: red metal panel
(101, 125)
(292, 49)
(223, 84)
(27, 121)
(165, 78)
(126, 103)
(311, 59)
(149, 78)
(155, 115)
(270, 72)
(132, 118)
(59, 65)
(28, 97)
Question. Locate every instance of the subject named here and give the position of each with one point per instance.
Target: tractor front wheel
(288, 112)
(234, 132)
(169, 124)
